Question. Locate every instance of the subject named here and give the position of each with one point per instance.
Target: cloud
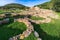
(3, 2)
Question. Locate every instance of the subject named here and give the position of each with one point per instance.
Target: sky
(29, 3)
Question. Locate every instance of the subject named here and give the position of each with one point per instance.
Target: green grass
(52, 30)
(36, 18)
(31, 37)
(7, 10)
(10, 30)
(49, 31)
(1, 11)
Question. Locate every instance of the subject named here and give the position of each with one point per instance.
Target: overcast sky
(24, 2)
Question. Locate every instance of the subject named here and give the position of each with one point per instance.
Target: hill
(14, 6)
(44, 5)
(53, 4)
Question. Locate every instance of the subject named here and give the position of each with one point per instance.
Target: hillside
(44, 5)
(13, 7)
(53, 5)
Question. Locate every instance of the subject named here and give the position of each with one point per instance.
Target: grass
(31, 37)
(12, 11)
(1, 11)
(49, 31)
(36, 18)
(10, 30)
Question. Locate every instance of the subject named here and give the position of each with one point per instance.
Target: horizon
(28, 3)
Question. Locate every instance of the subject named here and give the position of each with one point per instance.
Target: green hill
(44, 5)
(53, 4)
(13, 7)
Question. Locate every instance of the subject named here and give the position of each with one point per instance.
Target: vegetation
(56, 5)
(31, 37)
(49, 31)
(13, 7)
(36, 18)
(1, 19)
(53, 4)
(44, 5)
(10, 30)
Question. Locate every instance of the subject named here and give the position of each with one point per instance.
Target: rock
(13, 38)
(21, 36)
(39, 39)
(10, 38)
(36, 34)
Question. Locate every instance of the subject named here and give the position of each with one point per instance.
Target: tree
(55, 5)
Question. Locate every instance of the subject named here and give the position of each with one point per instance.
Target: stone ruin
(33, 11)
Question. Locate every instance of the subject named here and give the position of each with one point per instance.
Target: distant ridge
(13, 5)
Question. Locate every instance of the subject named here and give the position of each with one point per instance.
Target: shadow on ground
(43, 34)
